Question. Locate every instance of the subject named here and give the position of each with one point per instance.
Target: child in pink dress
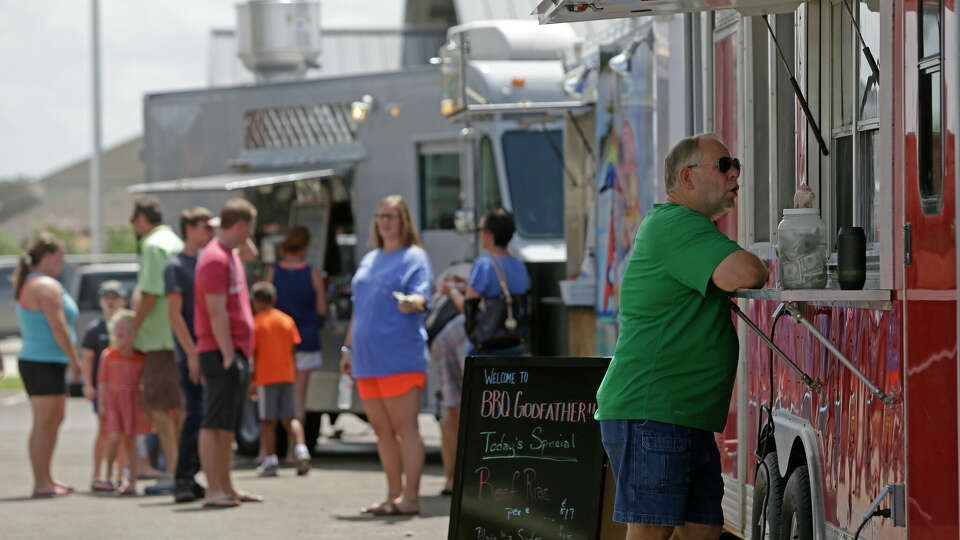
(119, 376)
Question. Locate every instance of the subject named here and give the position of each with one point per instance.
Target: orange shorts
(390, 385)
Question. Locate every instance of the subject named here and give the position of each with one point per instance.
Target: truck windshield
(535, 176)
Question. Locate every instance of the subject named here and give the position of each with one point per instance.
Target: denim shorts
(666, 474)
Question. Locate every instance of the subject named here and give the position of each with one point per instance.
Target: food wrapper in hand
(413, 299)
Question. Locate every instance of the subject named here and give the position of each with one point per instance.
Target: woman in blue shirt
(46, 314)
(496, 230)
(386, 349)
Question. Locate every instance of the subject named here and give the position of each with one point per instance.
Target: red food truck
(856, 99)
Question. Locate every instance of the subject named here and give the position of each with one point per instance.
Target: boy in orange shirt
(274, 338)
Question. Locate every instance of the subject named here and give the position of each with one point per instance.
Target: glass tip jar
(802, 249)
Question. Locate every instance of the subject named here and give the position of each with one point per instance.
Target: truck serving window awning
(229, 182)
(562, 11)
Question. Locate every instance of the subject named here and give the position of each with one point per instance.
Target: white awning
(561, 11)
(229, 182)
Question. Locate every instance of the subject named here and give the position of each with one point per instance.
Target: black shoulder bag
(497, 322)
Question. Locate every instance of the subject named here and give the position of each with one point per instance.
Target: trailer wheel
(768, 475)
(796, 516)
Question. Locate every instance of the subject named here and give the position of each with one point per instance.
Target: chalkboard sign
(529, 458)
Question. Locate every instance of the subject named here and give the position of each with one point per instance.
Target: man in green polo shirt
(162, 398)
(669, 385)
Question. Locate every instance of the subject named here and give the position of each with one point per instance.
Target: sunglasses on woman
(723, 164)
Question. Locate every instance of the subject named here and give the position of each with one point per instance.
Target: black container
(851, 258)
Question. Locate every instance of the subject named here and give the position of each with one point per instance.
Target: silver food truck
(323, 152)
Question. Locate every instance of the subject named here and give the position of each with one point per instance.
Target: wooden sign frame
(593, 481)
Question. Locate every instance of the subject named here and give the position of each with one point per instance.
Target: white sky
(146, 46)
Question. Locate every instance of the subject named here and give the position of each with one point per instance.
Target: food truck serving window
(851, 188)
(535, 175)
(855, 119)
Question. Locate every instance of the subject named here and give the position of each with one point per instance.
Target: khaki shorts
(161, 385)
(276, 402)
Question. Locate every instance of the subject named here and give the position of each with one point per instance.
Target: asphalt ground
(324, 504)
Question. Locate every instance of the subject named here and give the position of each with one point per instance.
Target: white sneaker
(267, 468)
(303, 462)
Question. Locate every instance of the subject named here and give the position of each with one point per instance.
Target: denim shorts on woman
(666, 474)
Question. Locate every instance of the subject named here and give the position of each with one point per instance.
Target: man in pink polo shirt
(224, 325)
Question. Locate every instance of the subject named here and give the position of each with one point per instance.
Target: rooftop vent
(278, 40)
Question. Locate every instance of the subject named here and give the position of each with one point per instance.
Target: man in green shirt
(162, 398)
(669, 385)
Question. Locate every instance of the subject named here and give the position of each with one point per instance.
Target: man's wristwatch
(345, 349)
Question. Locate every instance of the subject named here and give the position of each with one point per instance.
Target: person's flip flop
(243, 497)
(101, 486)
(49, 494)
(126, 491)
(391, 509)
(373, 509)
(223, 501)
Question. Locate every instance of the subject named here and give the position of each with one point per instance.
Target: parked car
(8, 315)
(69, 278)
(84, 284)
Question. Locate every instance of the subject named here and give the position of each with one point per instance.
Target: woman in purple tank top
(300, 294)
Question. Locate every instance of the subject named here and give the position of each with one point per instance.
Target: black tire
(796, 515)
(247, 433)
(768, 476)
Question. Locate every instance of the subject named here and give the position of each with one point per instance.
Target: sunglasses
(723, 164)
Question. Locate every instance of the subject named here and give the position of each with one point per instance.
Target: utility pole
(96, 235)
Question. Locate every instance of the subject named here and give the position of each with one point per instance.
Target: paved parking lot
(324, 504)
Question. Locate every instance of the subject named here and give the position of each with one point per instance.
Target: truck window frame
(438, 203)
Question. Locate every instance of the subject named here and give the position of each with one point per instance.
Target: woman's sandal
(244, 497)
(57, 491)
(374, 508)
(61, 485)
(392, 509)
(102, 486)
(223, 501)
